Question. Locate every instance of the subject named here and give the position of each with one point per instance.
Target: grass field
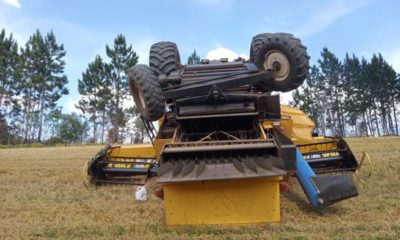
(42, 196)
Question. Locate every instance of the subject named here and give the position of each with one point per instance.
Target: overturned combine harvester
(224, 142)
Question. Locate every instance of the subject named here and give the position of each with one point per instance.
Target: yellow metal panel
(316, 145)
(159, 145)
(239, 201)
(131, 153)
(134, 151)
(297, 124)
(298, 116)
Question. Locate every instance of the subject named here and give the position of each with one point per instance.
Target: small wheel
(284, 56)
(146, 92)
(164, 58)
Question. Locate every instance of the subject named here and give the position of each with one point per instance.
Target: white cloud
(393, 58)
(12, 3)
(70, 105)
(220, 52)
(128, 102)
(285, 97)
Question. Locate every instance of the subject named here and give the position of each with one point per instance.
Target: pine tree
(193, 58)
(383, 84)
(44, 80)
(357, 95)
(96, 95)
(332, 72)
(9, 60)
(308, 97)
(396, 99)
(354, 92)
(122, 57)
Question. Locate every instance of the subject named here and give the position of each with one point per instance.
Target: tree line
(32, 80)
(352, 97)
(357, 97)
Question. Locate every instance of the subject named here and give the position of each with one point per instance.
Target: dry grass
(42, 196)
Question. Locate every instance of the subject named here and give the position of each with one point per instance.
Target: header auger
(224, 142)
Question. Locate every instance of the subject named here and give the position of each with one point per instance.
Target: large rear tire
(285, 56)
(146, 92)
(164, 58)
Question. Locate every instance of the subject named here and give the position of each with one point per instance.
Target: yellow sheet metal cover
(240, 201)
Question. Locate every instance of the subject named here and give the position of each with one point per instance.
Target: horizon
(362, 28)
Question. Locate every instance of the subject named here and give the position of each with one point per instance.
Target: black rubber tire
(146, 92)
(164, 58)
(292, 48)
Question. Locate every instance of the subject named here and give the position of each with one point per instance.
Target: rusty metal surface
(217, 115)
(211, 147)
(224, 109)
(218, 171)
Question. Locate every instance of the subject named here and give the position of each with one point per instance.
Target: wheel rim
(278, 63)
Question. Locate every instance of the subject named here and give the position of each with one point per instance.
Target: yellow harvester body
(233, 201)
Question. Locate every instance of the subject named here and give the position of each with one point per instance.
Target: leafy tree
(193, 58)
(355, 94)
(331, 69)
(44, 79)
(95, 94)
(72, 128)
(52, 121)
(310, 97)
(9, 75)
(122, 57)
(383, 86)
(354, 89)
(4, 133)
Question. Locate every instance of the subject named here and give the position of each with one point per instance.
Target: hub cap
(278, 63)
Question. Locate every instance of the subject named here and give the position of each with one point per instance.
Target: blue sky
(215, 28)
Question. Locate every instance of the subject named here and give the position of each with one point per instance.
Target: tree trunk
(340, 118)
(369, 118)
(26, 125)
(376, 119)
(355, 127)
(102, 126)
(395, 117)
(41, 117)
(390, 121)
(94, 127)
(116, 121)
(365, 125)
(383, 121)
(323, 121)
(27, 116)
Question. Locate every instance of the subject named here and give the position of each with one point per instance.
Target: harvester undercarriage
(224, 139)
